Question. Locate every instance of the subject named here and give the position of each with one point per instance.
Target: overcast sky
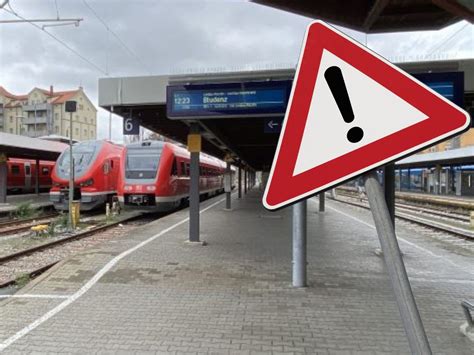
(176, 36)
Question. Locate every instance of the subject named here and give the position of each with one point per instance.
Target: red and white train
(96, 172)
(21, 175)
(155, 176)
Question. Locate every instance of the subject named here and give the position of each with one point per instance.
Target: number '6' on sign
(130, 126)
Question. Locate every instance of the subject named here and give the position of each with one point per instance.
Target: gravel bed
(12, 269)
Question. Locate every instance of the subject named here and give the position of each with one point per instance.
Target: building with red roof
(41, 112)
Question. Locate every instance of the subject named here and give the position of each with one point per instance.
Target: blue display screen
(449, 85)
(230, 99)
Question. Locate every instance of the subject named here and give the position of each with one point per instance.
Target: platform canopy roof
(243, 137)
(15, 146)
(460, 156)
(373, 16)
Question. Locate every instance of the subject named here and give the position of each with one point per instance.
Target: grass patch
(24, 210)
(22, 279)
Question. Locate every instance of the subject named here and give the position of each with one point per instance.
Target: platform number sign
(131, 126)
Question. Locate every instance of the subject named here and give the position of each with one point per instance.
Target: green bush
(23, 210)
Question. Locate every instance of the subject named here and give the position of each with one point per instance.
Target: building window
(85, 133)
(56, 129)
(92, 134)
(11, 130)
(81, 107)
(77, 131)
(11, 119)
(56, 116)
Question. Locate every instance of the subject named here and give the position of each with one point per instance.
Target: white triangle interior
(378, 111)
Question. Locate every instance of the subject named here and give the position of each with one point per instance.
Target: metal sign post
(299, 244)
(411, 319)
(194, 147)
(70, 107)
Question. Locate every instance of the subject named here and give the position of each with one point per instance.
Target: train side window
(111, 164)
(183, 169)
(45, 170)
(15, 170)
(27, 170)
(174, 168)
(187, 169)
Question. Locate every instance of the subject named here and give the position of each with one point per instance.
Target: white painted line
(402, 239)
(25, 295)
(88, 285)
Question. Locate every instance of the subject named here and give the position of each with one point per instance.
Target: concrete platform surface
(161, 295)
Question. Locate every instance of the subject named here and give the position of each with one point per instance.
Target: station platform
(152, 292)
(37, 201)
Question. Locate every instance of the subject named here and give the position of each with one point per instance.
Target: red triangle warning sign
(350, 111)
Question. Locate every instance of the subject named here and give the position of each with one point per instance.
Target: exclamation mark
(338, 89)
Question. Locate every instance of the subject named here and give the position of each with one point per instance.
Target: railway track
(17, 226)
(64, 240)
(439, 226)
(462, 217)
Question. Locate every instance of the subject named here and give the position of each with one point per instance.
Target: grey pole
(322, 202)
(245, 180)
(71, 173)
(240, 181)
(396, 268)
(3, 178)
(389, 189)
(299, 244)
(194, 191)
(228, 203)
(37, 182)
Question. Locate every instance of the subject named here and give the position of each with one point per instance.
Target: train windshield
(83, 155)
(142, 163)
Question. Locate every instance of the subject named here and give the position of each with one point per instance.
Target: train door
(106, 171)
(27, 167)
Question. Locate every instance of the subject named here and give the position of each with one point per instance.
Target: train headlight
(151, 188)
(88, 182)
(127, 188)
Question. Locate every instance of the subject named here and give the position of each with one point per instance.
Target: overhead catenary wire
(440, 45)
(121, 42)
(64, 44)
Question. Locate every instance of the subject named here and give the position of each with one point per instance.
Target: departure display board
(450, 85)
(265, 98)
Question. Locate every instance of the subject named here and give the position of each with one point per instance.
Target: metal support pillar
(396, 268)
(37, 181)
(71, 175)
(438, 180)
(299, 244)
(228, 187)
(240, 182)
(245, 180)
(389, 190)
(194, 192)
(3, 178)
(322, 202)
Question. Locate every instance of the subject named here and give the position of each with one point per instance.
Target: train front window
(83, 155)
(142, 163)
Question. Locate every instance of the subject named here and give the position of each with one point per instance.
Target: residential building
(42, 112)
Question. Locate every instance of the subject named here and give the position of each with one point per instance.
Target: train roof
(177, 149)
